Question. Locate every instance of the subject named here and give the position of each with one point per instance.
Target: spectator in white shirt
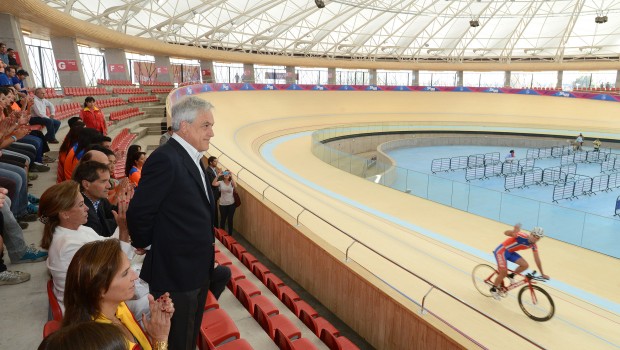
(39, 115)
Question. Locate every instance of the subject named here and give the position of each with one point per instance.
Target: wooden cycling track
(246, 120)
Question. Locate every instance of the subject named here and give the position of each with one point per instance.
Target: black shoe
(29, 217)
(23, 224)
(53, 141)
(38, 168)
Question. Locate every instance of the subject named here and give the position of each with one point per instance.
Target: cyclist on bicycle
(508, 251)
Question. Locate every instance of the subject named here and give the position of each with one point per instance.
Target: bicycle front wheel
(483, 277)
(536, 303)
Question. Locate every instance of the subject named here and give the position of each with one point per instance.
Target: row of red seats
(265, 312)
(111, 102)
(128, 91)
(141, 99)
(156, 83)
(120, 144)
(114, 82)
(51, 93)
(83, 91)
(218, 330)
(67, 110)
(125, 113)
(161, 90)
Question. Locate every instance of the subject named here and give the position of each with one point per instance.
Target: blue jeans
(17, 175)
(52, 125)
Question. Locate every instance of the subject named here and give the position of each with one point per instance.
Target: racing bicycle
(534, 301)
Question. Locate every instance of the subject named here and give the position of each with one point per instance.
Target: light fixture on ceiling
(319, 3)
(601, 17)
(26, 33)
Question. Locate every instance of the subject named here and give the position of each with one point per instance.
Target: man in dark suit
(212, 173)
(94, 179)
(172, 212)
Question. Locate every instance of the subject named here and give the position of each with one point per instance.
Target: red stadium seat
(337, 343)
(317, 324)
(261, 271)
(297, 305)
(250, 302)
(51, 327)
(248, 260)
(276, 322)
(211, 303)
(285, 343)
(217, 327)
(56, 311)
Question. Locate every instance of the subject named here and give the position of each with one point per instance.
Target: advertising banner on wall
(116, 68)
(66, 65)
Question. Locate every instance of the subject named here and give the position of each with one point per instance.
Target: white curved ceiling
(401, 30)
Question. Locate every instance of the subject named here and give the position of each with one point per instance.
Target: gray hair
(187, 109)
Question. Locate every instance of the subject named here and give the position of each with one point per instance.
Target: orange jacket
(94, 119)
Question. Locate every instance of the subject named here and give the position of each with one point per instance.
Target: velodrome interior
(424, 237)
(245, 121)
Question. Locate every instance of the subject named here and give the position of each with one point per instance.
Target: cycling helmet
(538, 232)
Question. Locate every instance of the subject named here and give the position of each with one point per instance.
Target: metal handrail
(433, 286)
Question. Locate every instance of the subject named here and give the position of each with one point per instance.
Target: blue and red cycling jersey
(508, 249)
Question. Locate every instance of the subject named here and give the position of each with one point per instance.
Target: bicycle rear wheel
(483, 277)
(536, 303)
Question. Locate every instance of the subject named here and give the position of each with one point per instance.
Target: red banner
(206, 72)
(116, 68)
(66, 65)
(162, 70)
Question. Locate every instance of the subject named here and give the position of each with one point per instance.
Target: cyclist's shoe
(511, 278)
(495, 294)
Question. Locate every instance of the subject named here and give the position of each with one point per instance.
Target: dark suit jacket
(212, 176)
(101, 221)
(170, 212)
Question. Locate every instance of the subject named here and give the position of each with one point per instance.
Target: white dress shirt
(196, 157)
(39, 108)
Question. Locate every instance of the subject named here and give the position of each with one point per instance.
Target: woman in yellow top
(99, 280)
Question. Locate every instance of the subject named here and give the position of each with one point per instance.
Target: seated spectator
(111, 162)
(130, 151)
(12, 57)
(86, 138)
(134, 173)
(93, 117)
(510, 157)
(63, 212)
(71, 139)
(86, 336)
(94, 180)
(19, 252)
(39, 115)
(4, 56)
(166, 136)
(107, 142)
(99, 281)
(6, 276)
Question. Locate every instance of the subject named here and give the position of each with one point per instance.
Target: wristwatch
(14, 138)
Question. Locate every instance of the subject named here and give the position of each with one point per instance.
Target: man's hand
(3, 192)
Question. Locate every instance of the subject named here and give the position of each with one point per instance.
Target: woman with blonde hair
(63, 212)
